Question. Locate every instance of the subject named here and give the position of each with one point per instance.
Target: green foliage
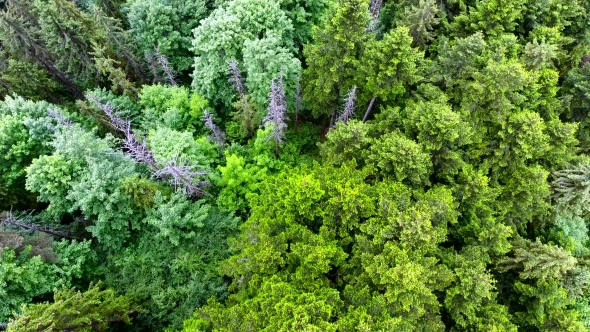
(421, 19)
(237, 180)
(173, 279)
(24, 276)
(165, 26)
(334, 56)
(471, 301)
(264, 60)
(222, 37)
(571, 190)
(300, 234)
(85, 174)
(492, 17)
(171, 106)
(25, 129)
(401, 158)
(143, 191)
(387, 79)
(92, 310)
(167, 143)
(70, 32)
(27, 80)
(176, 217)
(345, 142)
(535, 260)
(450, 193)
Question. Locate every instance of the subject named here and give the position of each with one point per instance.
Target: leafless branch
(217, 135)
(235, 77)
(277, 112)
(375, 9)
(348, 111)
(60, 118)
(23, 221)
(133, 147)
(166, 67)
(185, 178)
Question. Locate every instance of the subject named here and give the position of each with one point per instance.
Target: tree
(332, 228)
(25, 129)
(249, 32)
(85, 174)
(276, 116)
(492, 17)
(570, 190)
(165, 26)
(472, 301)
(173, 280)
(421, 19)
(384, 80)
(403, 159)
(70, 34)
(92, 310)
(334, 56)
(20, 29)
(28, 271)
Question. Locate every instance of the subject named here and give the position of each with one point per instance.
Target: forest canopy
(294, 165)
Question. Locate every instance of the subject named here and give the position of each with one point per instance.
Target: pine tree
(334, 57)
(71, 310)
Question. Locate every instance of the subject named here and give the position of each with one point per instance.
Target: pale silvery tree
(247, 115)
(276, 113)
(375, 9)
(235, 77)
(348, 111)
(60, 118)
(133, 147)
(184, 178)
(166, 67)
(217, 135)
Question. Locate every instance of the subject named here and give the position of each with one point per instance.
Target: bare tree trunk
(40, 54)
(333, 119)
(369, 110)
(32, 227)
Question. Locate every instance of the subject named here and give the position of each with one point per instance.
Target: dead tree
(217, 135)
(24, 221)
(276, 113)
(348, 111)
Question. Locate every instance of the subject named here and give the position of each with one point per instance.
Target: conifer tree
(71, 310)
(334, 56)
